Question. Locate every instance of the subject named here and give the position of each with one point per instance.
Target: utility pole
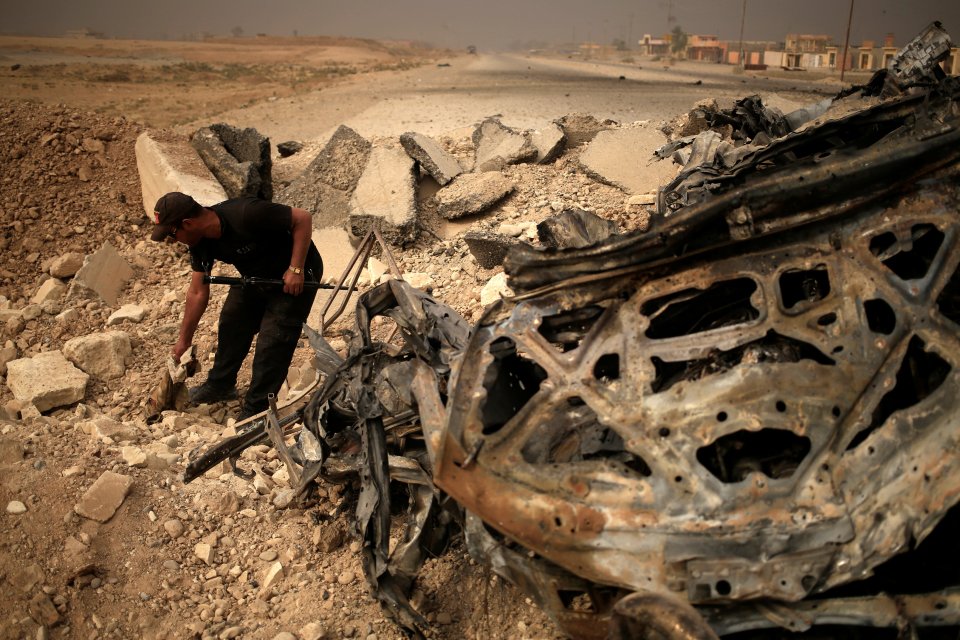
(743, 19)
(846, 43)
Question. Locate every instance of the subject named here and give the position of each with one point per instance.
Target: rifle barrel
(252, 280)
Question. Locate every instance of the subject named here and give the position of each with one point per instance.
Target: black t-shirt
(256, 238)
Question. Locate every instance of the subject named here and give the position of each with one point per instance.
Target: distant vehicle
(472, 49)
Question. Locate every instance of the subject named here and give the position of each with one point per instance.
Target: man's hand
(292, 283)
(179, 349)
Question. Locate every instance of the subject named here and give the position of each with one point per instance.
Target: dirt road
(527, 92)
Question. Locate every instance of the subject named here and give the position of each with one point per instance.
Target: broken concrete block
(67, 265)
(325, 186)
(288, 148)
(489, 249)
(166, 162)
(105, 272)
(472, 193)
(581, 127)
(498, 146)
(376, 270)
(127, 313)
(238, 158)
(549, 142)
(441, 166)
(385, 197)
(50, 291)
(103, 355)
(575, 229)
(108, 430)
(603, 159)
(495, 289)
(47, 380)
(104, 497)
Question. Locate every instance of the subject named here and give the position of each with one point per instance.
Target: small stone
(174, 528)
(231, 632)
(313, 631)
(444, 618)
(104, 497)
(70, 472)
(346, 577)
(171, 565)
(269, 555)
(273, 576)
(16, 507)
(284, 635)
(204, 551)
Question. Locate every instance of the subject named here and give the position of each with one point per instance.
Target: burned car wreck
(744, 418)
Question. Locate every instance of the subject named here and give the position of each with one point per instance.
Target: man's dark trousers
(278, 318)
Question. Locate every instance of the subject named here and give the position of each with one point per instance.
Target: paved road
(526, 92)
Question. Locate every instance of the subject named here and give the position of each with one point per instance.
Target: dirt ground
(189, 561)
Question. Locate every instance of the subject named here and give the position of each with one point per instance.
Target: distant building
(705, 48)
(654, 46)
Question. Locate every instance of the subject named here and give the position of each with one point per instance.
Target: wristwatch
(296, 270)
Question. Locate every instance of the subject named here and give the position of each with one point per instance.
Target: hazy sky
(485, 23)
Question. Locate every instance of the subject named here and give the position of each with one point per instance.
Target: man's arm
(302, 229)
(198, 294)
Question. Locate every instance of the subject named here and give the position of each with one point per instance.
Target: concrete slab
(47, 380)
(498, 146)
(549, 141)
(442, 166)
(104, 497)
(624, 158)
(334, 245)
(472, 193)
(325, 186)
(385, 196)
(239, 158)
(166, 162)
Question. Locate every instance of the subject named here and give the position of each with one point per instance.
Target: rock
(102, 355)
(70, 472)
(329, 537)
(24, 577)
(42, 610)
(108, 430)
(419, 280)
(325, 186)
(498, 146)
(441, 166)
(472, 193)
(104, 497)
(604, 159)
(495, 288)
(444, 618)
(269, 555)
(51, 290)
(105, 273)
(283, 498)
(238, 158)
(289, 148)
(7, 354)
(385, 197)
(174, 528)
(127, 313)
(230, 504)
(134, 457)
(67, 265)
(47, 380)
(272, 577)
(580, 128)
(549, 142)
(16, 507)
(575, 229)
(313, 631)
(489, 249)
(204, 551)
(68, 316)
(346, 577)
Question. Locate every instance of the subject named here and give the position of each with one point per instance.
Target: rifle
(244, 281)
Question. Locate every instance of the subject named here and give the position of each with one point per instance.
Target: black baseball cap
(169, 211)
